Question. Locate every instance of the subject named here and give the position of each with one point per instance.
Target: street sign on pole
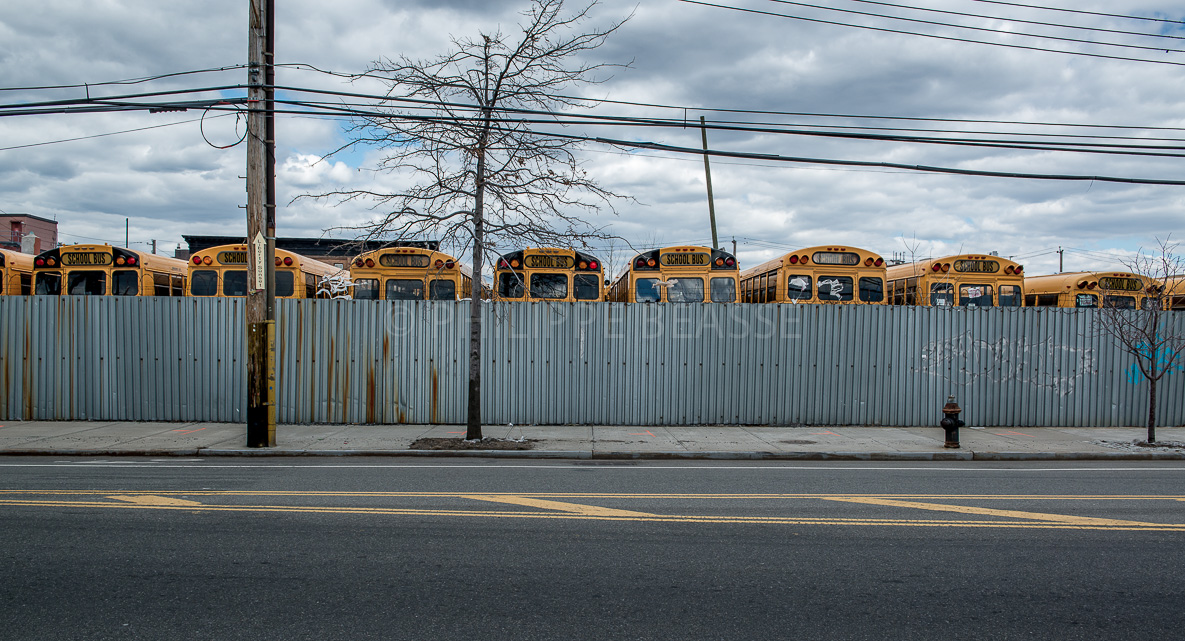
(259, 245)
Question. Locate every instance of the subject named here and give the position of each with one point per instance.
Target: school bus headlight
(206, 260)
(370, 262)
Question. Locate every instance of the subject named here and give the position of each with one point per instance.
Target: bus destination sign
(232, 258)
(977, 266)
(404, 260)
(835, 258)
(1120, 284)
(536, 261)
(73, 259)
(687, 259)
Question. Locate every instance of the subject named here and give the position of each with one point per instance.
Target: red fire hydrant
(950, 421)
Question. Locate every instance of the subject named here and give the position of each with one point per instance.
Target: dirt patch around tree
(477, 444)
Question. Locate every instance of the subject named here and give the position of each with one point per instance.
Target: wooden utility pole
(703, 129)
(261, 226)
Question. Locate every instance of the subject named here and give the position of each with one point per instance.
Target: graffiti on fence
(336, 286)
(1164, 360)
(1043, 364)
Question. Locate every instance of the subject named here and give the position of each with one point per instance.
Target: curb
(610, 455)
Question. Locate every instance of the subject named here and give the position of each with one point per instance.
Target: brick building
(14, 228)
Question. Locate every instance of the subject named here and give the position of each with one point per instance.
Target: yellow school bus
(16, 273)
(824, 274)
(680, 274)
(409, 273)
(222, 271)
(1122, 290)
(1175, 299)
(966, 280)
(549, 274)
(104, 270)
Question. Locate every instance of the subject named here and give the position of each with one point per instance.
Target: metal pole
(703, 129)
(261, 408)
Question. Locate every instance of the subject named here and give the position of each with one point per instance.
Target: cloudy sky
(824, 65)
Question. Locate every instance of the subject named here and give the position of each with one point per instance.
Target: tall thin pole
(703, 129)
(1061, 267)
(127, 232)
(261, 408)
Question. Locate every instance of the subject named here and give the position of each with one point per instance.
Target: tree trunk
(1152, 410)
(473, 418)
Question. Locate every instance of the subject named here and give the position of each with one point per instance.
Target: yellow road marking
(574, 508)
(1014, 514)
(715, 520)
(151, 499)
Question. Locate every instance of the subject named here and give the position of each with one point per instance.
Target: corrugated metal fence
(103, 358)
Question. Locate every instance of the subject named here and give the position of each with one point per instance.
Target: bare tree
(1153, 336)
(481, 178)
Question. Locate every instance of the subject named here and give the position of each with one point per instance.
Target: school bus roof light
(502, 264)
(206, 260)
(439, 264)
(358, 262)
(730, 261)
(1093, 284)
(879, 261)
(119, 261)
(131, 260)
(804, 259)
(1008, 269)
(719, 261)
(40, 262)
(448, 264)
(945, 267)
(1019, 269)
(278, 261)
(868, 262)
(650, 262)
(937, 267)
(370, 262)
(794, 260)
(594, 265)
(514, 262)
(287, 261)
(197, 260)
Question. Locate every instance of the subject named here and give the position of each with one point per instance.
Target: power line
(131, 81)
(1019, 20)
(934, 36)
(111, 133)
(973, 28)
(1089, 13)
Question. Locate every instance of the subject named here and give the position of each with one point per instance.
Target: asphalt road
(335, 548)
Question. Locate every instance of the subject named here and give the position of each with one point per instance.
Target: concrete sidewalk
(101, 438)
